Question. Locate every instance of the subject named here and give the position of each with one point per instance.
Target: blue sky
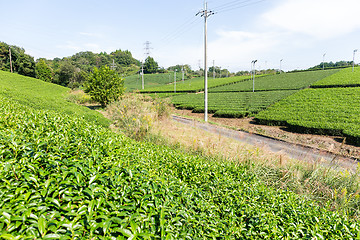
(297, 31)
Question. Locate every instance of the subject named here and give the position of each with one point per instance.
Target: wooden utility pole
(11, 69)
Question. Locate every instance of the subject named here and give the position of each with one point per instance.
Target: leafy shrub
(104, 85)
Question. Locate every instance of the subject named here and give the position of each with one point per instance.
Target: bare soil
(333, 144)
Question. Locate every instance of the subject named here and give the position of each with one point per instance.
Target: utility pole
(11, 69)
(280, 64)
(175, 80)
(214, 69)
(205, 13)
(354, 59)
(142, 76)
(183, 73)
(324, 61)
(253, 72)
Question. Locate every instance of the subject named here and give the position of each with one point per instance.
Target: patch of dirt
(334, 144)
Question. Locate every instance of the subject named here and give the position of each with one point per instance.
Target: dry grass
(332, 187)
(78, 96)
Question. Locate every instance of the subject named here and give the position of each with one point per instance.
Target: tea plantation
(134, 82)
(230, 104)
(235, 99)
(62, 177)
(288, 81)
(321, 110)
(344, 78)
(195, 84)
(43, 95)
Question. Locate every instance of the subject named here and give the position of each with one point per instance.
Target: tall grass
(135, 114)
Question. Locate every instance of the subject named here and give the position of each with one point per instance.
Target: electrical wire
(187, 26)
(235, 5)
(230, 4)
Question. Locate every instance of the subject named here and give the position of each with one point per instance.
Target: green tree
(22, 63)
(65, 74)
(104, 85)
(43, 71)
(78, 80)
(150, 65)
(25, 64)
(124, 58)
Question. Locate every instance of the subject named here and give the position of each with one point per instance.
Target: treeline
(331, 65)
(22, 63)
(68, 71)
(73, 71)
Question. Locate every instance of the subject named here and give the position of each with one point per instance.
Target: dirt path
(296, 151)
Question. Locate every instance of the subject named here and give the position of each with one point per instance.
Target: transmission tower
(147, 49)
(113, 66)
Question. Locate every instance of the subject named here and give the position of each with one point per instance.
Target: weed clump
(134, 114)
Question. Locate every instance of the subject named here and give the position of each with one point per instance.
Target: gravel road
(295, 151)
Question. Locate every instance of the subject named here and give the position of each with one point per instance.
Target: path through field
(295, 151)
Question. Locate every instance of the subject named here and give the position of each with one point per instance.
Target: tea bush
(64, 178)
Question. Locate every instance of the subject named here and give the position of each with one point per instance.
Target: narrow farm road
(295, 151)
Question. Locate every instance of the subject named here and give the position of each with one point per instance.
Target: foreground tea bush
(64, 178)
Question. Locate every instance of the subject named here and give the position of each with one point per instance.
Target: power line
(182, 27)
(230, 4)
(237, 6)
(178, 32)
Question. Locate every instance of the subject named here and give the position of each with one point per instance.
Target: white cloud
(90, 34)
(72, 47)
(321, 19)
(238, 48)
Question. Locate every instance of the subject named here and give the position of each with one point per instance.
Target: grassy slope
(42, 95)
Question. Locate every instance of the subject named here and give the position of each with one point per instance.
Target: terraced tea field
(343, 78)
(230, 104)
(196, 84)
(286, 81)
(134, 82)
(330, 111)
(236, 99)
